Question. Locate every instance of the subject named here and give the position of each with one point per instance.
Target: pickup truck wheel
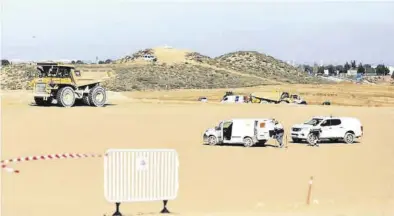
(97, 96)
(349, 138)
(248, 142)
(312, 138)
(65, 97)
(212, 140)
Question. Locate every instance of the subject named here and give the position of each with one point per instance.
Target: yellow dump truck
(276, 97)
(63, 84)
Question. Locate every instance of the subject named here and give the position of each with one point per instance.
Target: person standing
(279, 131)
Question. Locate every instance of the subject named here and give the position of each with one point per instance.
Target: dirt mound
(180, 69)
(259, 64)
(16, 77)
(178, 76)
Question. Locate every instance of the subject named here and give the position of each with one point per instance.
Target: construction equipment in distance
(285, 97)
(61, 84)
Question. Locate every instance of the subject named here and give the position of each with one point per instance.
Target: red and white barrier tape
(9, 169)
(43, 157)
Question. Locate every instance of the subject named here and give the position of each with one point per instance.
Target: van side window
(335, 122)
(236, 98)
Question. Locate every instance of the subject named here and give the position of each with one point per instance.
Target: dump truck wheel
(97, 96)
(86, 100)
(41, 102)
(65, 97)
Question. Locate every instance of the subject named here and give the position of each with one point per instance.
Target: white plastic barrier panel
(140, 175)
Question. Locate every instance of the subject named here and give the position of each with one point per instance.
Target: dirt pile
(179, 76)
(183, 69)
(16, 77)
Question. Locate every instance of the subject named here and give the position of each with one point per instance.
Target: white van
(240, 131)
(233, 99)
(331, 128)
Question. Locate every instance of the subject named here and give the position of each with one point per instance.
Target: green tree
(353, 64)
(331, 70)
(5, 62)
(108, 61)
(79, 62)
(346, 67)
(320, 70)
(72, 62)
(315, 68)
(382, 70)
(101, 62)
(340, 69)
(360, 69)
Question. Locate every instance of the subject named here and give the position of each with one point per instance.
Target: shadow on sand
(77, 104)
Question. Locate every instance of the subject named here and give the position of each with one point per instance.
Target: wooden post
(308, 199)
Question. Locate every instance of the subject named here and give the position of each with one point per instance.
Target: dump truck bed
(91, 76)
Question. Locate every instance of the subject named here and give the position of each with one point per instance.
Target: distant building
(326, 72)
(391, 68)
(370, 71)
(352, 72)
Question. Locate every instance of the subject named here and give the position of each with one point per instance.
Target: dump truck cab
(63, 85)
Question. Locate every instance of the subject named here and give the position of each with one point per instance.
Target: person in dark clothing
(313, 138)
(279, 131)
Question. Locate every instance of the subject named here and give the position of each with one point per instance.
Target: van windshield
(219, 126)
(313, 122)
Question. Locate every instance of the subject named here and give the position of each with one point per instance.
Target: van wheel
(212, 140)
(349, 138)
(248, 142)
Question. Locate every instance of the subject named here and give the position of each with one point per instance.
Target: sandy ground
(214, 180)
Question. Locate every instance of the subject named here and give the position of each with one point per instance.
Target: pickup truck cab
(240, 131)
(346, 129)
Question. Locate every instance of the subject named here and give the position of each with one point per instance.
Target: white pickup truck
(240, 131)
(329, 127)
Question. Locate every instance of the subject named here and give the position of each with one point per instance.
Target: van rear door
(262, 130)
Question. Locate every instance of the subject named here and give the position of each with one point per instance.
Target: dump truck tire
(65, 97)
(97, 96)
(41, 102)
(85, 100)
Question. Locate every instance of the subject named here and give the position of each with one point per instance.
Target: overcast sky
(301, 31)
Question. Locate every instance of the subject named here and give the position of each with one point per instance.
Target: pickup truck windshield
(313, 121)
